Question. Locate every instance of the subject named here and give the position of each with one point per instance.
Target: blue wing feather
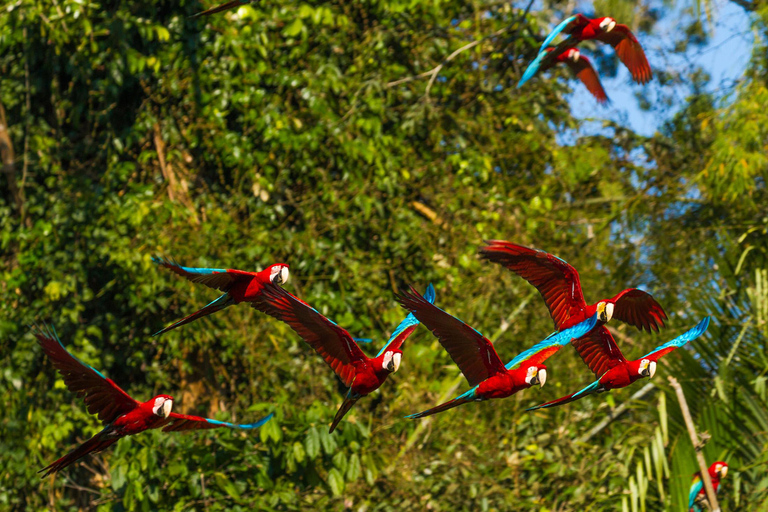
(532, 69)
(409, 320)
(552, 35)
(191, 270)
(684, 338)
(241, 426)
(51, 333)
(561, 338)
(695, 489)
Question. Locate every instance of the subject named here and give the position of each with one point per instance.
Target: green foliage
(307, 133)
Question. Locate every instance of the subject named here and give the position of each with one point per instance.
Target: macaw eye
(396, 358)
(386, 359)
(158, 406)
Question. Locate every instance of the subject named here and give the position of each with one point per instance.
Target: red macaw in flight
(605, 29)
(475, 356)
(698, 496)
(336, 346)
(237, 285)
(580, 66)
(614, 371)
(121, 415)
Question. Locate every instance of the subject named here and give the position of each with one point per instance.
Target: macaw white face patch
(536, 375)
(162, 407)
(607, 24)
(575, 55)
(279, 274)
(387, 359)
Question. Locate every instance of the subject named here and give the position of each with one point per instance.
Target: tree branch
(697, 446)
(8, 158)
(618, 411)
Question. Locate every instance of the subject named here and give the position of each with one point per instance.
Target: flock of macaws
(576, 322)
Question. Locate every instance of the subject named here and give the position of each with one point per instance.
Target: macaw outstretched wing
(556, 280)
(571, 20)
(539, 353)
(678, 342)
(101, 395)
(629, 51)
(638, 309)
(407, 326)
(472, 352)
(599, 350)
(532, 69)
(179, 422)
(333, 343)
(585, 71)
(216, 278)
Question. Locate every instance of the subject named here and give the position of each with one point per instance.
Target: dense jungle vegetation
(354, 141)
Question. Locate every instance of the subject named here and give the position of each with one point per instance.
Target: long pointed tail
(94, 444)
(589, 390)
(217, 305)
(346, 405)
(440, 408)
(219, 8)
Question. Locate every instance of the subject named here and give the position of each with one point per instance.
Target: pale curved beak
(651, 369)
(284, 273)
(396, 360)
(575, 56)
(542, 377)
(723, 471)
(610, 26)
(166, 409)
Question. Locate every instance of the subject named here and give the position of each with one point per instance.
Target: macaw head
(607, 24)
(604, 311)
(647, 368)
(278, 273)
(536, 375)
(573, 54)
(390, 360)
(718, 470)
(161, 405)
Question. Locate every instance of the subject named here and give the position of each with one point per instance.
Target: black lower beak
(346, 405)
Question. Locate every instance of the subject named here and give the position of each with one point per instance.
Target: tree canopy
(370, 145)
